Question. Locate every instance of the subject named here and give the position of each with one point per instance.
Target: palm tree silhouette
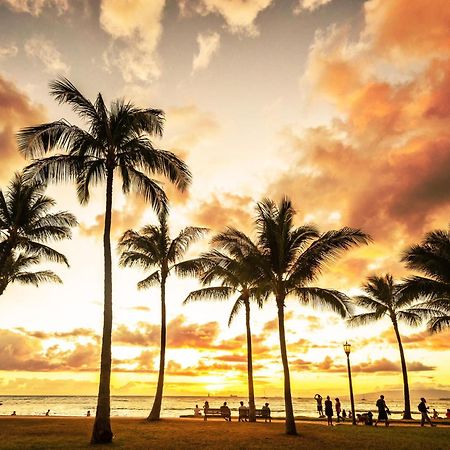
(16, 271)
(151, 248)
(116, 140)
(291, 258)
(432, 258)
(383, 298)
(230, 266)
(26, 227)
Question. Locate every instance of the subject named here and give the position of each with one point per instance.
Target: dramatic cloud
(35, 7)
(239, 15)
(208, 44)
(385, 155)
(16, 111)
(45, 51)
(136, 29)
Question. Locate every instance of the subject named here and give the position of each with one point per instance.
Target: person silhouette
(423, 408)
(329, 410)
(383, 411)
(47, 413)
(318, 399)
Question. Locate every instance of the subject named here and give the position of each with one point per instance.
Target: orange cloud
(16, 111)
(227, 210)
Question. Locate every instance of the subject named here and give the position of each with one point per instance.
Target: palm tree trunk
(251, 391)
(290, 420)
(6, 251)
(407, 413)
(155, 413)
(102, 432)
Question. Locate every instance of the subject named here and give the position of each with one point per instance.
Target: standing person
(383, 411)
(318, 399)
(337, 407)
(206, 405)
(329, 410)
(423, 408)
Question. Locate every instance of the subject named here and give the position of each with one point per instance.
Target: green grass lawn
(74, 433)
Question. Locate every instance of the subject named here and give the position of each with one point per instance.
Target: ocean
(139, 406)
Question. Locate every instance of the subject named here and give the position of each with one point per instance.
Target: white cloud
(239, 15)
(208, 44)
(35, 7)
(136, 28)
(309, 5)
(8, 51)
(45, 51)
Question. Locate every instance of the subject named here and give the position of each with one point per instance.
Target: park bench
(212, 412)
(263, 414)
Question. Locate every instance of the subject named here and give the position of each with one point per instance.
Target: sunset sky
(344, 105)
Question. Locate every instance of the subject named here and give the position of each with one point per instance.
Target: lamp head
(347, 348)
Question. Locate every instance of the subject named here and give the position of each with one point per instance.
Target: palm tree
(116, 140)
(290, 259)
(383, 298)
(26, 226)
(432, 258)
(16, 271)
(238, 278)
(152, 248)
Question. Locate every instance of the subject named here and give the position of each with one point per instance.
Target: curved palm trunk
(290, 421)
(407, 413)
(251, 391)
(155, 413)
(6, 252)
(102, 432)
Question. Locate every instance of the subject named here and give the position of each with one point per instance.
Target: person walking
(337, 407)
(329, 411)
(383, 411)
(423, 408)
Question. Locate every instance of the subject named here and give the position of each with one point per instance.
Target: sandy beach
(24, 432)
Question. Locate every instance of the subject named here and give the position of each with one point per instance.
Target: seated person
(225, 412)
(447, 414)
(369, 418)
(266, 412)
(243, 412)
(197, 412)
(435, 414)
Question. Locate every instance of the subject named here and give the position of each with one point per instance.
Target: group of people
(340, 413)
(243, 411)
(367, 418)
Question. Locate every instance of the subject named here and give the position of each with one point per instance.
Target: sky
(343, 105)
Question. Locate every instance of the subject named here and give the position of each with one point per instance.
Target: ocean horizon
(176, 406)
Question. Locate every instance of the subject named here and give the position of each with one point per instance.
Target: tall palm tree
(432, 258)
(16, 271)
(291, 258)
(383, 298)
(229, 265)
(26, 227)
(152, 248)
(116, 140)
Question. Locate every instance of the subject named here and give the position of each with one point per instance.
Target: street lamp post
(347, 348)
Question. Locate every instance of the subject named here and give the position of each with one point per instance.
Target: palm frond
(235, 310)
(325, 298)
(210, 293)
(36, 278)
(152, 280)
(363, 319)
